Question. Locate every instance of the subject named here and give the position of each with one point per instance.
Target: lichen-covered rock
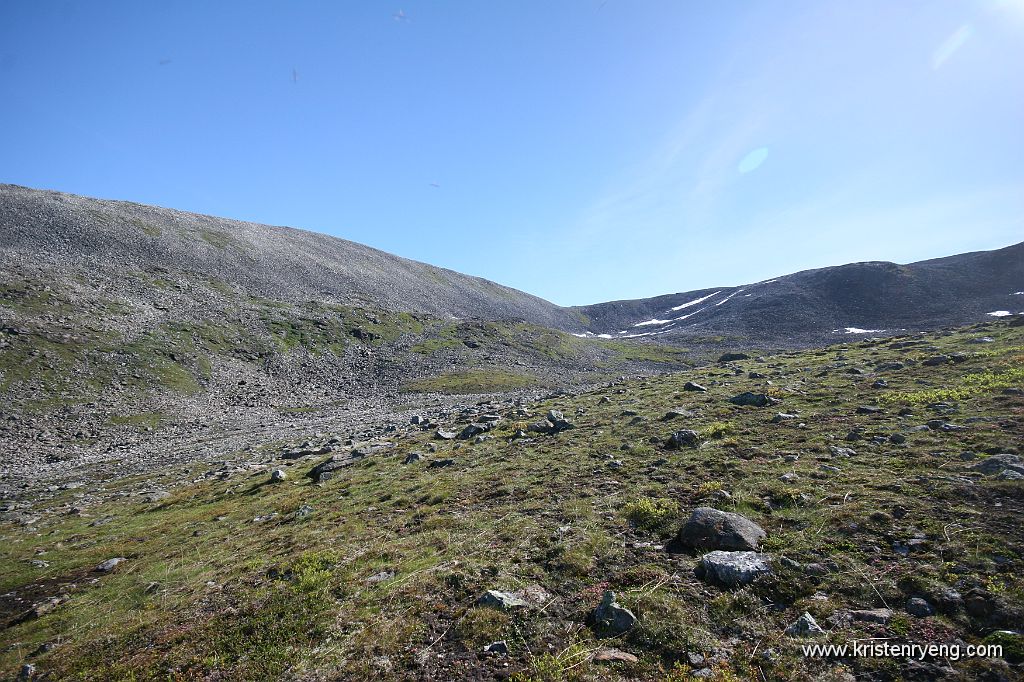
(710, 528)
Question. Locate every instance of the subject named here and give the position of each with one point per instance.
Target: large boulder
(710, 528)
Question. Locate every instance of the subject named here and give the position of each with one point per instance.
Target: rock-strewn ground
(875, 493)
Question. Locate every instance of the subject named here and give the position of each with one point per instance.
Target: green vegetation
(472, 381)
(979, 383)
(381, 575)
(648, 352)
(650, 513)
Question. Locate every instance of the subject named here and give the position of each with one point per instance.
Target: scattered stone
(897, 439)
(710, 528)
(733, 357)
(609, 655)
(445, 435)
(613, 618)
(734, 568)
(380, 577)
(995, 464)
(278, 475)
(440, 463)
(1009, 475)
(789, 477)
(110, 564)
(782, 417)
(499, 648)
(678, 412)
(412, 457)
(683, 438)
(936, 360)
(919, 608)
(502, 600)
(880, 616)
(753, 399)
(472, 430)
(841, 452)
(880, 383)
(693, 386)
(303, 511)
(804, 626)
(869, 409)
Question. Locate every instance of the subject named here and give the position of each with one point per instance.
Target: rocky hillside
(58, 231)
(710, 524)
(816, 306)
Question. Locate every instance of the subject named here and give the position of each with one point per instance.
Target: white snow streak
(695, 302)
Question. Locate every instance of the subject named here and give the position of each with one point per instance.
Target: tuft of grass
(717, 430)
(650, 513)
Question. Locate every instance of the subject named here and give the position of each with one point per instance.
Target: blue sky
(581, 150)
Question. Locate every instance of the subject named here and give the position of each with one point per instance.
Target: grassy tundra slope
(873, 496)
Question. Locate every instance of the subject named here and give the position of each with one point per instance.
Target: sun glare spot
(950, 45)
(753, 160)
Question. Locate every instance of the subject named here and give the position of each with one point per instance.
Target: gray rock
(678, 412)
(709, 528)
(412, 457)
(995, 464)
(499, 648)
(278, 475)
(110, 564)
(693, 386)
(804, 626)
(611, 617)
(919, 607)
(1009, 475)
(782, 417)
(734, 568)
(303, 511)
(472, 430)
(502, 600)
(841, 452)
(789, 477)
(684, 438)
(880, 616)
(753, 399)
(610, 655)
(733, 357)
(440, 463)
(445, 435)
(869, 409)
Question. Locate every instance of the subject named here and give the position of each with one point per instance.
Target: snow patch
(604, 336)
(695, 301)
(1017, 293)
(999, 313)
(654, 321)
(729, 296)
(683, 317)
(858, 330)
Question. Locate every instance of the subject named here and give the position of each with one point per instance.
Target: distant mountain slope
(279, 263)
(816, 305)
